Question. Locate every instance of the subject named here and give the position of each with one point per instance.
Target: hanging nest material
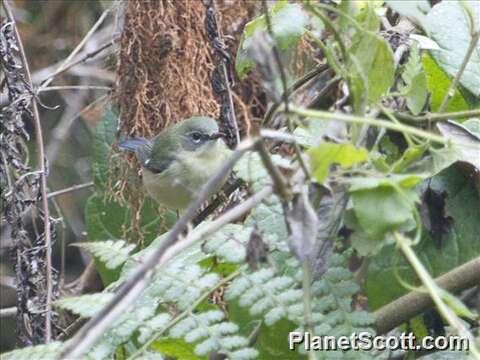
(166, 64)
(164, 71)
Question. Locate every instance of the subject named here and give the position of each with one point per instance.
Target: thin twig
(89, 34)
(8, 312)
(439, 117)
(353, 119)
(91, 332)
(84, 58)
(43, 178)
(74, 87)
(69, 189)
(281, 186)
(453, 85)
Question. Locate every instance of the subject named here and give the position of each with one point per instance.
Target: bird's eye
(196, 137)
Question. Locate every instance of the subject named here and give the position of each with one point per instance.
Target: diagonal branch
(87, 336)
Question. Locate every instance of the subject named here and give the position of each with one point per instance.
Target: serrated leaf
(111, 253)
(327, 154)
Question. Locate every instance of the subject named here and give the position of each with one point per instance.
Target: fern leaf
(85, 305)
(111, 253)
(213, 334)
(38, 352)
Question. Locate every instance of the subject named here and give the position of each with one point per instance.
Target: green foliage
(373, 180)
(327, 154)
(106, 219)
(459, 245)
(438, 84)
(380, 206)
(415, 89)
(448, 23)
(212, 333)
(85, 306)
(111, 253)
(288, 25)
(38, 352)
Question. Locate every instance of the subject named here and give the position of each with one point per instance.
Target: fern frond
(112, 253)
(85, 305)
(38, 352)
(213, 334)
(265, 293)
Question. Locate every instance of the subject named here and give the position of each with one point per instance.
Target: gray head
(196, 133)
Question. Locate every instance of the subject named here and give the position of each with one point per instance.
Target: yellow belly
(178, 185)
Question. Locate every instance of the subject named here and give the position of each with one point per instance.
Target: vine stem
(439, 117)
(352, 119)
(405, 246)
(453, 85)
(43, 177)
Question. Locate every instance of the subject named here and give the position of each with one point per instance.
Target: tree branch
(410, 305)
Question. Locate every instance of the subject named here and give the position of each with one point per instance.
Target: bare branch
(410, 305)
(70, 189)
(43, 177)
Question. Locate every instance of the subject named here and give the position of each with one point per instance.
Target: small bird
(180, 160)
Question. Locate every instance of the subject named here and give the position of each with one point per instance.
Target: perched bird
(179, 161)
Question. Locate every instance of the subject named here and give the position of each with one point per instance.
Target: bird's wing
(157, 166)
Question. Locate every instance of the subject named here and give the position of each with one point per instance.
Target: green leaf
(380, 205)
(448, 24)
(176, 348)
(375, 59)
(327, 154)
(288, 25)
(382, 209)
(413, 9)
(438, 83)
(462, 204)
(416, 82)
